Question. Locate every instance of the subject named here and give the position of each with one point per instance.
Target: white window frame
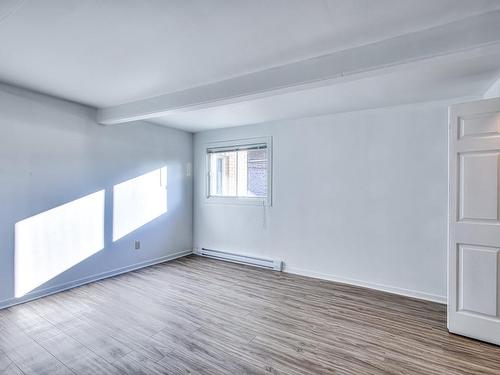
(259, 201)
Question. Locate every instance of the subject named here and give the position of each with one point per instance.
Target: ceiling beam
(479, 35)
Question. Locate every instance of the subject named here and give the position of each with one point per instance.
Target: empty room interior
(250, 187)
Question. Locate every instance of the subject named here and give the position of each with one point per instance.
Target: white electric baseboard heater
(276, 265)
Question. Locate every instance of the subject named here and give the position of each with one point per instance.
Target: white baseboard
(384, 288)
(89, 279)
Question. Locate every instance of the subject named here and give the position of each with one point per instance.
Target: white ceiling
(106, 53)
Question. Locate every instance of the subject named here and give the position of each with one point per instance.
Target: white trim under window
(217, 153)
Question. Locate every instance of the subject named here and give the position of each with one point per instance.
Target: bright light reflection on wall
(138, 201)
(50, 243)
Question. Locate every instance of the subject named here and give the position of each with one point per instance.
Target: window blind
(260, 146)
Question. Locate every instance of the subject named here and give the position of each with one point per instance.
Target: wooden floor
(196, 315)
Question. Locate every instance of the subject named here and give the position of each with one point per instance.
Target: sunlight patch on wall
(50, 243)
(138, 201)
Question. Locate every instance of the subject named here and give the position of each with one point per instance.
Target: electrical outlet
(137, 245)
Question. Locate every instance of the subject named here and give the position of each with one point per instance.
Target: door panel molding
(474, 220)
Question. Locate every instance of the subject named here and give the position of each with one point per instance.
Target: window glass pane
(257, 173)
(219, 177)
(223, 174)
(238, 173)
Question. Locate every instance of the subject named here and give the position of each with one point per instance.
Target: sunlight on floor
(50, 243)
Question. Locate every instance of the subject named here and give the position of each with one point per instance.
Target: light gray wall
(493, 91)
(358, 197)
(53, 152)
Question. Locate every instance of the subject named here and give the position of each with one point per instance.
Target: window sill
(238, 201)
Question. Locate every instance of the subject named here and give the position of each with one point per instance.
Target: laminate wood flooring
(201, 316)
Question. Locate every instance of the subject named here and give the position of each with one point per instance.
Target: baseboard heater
(276, 265)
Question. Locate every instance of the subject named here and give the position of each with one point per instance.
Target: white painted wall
(53, 152)
(359, 197)
(493, 91)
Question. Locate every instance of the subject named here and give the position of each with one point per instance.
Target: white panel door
(474, 221)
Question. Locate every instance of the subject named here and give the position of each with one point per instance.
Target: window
(239, 171)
